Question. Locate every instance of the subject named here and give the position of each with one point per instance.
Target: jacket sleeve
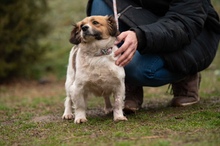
(184, 21)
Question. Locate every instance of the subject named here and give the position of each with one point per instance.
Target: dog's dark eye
(95, 22)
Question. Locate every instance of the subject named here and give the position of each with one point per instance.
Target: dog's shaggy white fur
(92, 68)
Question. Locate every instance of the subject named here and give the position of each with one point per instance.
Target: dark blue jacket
(185, 33)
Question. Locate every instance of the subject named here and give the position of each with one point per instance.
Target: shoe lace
(169, 89)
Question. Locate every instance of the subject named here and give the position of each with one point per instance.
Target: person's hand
(128, 48)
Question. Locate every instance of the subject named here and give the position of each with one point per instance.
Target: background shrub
(21, 26)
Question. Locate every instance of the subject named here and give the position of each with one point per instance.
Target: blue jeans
(143, 70)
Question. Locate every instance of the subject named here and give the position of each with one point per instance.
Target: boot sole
(191, 103)
(186, 104)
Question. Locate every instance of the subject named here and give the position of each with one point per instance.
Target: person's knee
(137, 75)
(99, 7)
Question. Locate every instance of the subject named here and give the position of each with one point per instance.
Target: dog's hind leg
(108, 106)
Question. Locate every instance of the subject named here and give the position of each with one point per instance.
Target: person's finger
(120, 38)
(125, 57)
(127, 49)
(117, 41)
(127, 60)
(122, 49)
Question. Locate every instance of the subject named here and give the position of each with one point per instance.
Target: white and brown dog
(92, 68)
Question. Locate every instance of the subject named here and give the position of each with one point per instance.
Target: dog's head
(94, 28)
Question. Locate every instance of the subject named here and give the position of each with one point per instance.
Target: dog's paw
(123, 118)
(80, 120)
(67, 116)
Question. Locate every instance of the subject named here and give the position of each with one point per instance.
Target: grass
(30, 112)
(31, 115)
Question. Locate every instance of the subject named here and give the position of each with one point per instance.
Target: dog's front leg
(79, 105)
(119, 103)
(80, 110)
(67, 115)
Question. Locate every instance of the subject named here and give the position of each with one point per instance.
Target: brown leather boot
(133, 98)
(186, 91)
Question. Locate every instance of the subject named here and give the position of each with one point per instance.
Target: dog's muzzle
(87, 31)
(85, 28)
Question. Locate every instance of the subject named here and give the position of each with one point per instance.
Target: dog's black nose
(85, 28)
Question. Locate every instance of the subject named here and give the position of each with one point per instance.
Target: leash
(115, 13)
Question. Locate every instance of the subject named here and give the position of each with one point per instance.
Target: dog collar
(106, 51)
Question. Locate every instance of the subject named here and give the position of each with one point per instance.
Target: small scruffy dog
(92, 68)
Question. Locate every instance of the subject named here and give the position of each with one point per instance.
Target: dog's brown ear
(112, 27)
(75, 35)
